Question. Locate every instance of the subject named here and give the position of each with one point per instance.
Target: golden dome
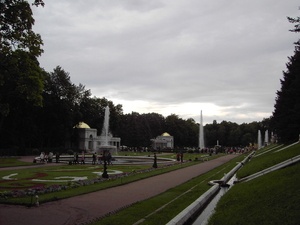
(165, 134)
(82, 125)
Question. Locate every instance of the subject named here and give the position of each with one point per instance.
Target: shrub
(35, 151)
(70, 152)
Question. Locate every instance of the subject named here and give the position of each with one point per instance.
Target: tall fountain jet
(266, 137)
(201, 133)
(105, 129)
(259, 140)
(106, 136)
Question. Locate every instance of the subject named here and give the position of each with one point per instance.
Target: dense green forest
(39, 109)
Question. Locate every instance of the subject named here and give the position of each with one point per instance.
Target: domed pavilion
(88, 140)
(163, 141)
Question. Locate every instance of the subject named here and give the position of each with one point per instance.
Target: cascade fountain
(259, 140)
(266, 137)
(105, 136)
(201, 133)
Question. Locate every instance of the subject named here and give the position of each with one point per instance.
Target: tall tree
(286, 116)
(59, 108)
(20, 75)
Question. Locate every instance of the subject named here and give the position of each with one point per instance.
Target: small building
(163, 141)
(89, 141)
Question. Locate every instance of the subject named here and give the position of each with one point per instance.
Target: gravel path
(84, 208)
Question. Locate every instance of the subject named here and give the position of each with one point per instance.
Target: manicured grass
(78, 171)
(10, 162)
(89, 171)
(186, 194)
(273, 198)
(50, 173)
(257, 194)
(266, 160)
(270, 199)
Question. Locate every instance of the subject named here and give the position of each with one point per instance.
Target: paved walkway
(84, 208)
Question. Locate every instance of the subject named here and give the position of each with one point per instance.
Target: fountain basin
(107, 148)
(117, 160)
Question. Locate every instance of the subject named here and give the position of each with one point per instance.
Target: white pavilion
(89, 141)
(163, 141)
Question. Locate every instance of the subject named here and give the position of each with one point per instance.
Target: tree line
(65, 104)
(39, 109)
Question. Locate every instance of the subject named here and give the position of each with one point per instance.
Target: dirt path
(84, 208)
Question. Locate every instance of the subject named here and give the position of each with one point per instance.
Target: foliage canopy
(286, 116)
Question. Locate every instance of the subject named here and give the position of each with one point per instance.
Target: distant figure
(155, 161)
(100, 159)
(50, 157)
(94, 158)
(109, 158)
(42, 157)
(178, 156)
(75, 158)
(82, 158)
(57, 157)
(181, 157)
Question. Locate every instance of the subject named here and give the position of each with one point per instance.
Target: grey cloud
(227, 53)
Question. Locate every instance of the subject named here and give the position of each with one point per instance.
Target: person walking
(57, 157)
(109, 158)
(82, 158)
(50, 157)
(75, 158)
(46, 158)
(94, 158)
(155, 161)
(100, 159)
(42, 157)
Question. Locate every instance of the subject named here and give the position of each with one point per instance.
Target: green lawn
(273, 198)
(254, 202)
(270, 199)
(168, 204)
(10, 162)
(47, 179)
(267, 160)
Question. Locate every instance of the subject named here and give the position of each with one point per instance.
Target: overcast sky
(223, 57)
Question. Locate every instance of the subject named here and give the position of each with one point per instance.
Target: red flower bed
(22, 185)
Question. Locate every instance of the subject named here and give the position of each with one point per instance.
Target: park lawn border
(267, 160)
(71, 192)
(15, 162)
(193, 189)
(132, 213)
(271, 199)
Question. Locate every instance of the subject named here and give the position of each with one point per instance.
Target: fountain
(201, 133)
(105, 136)
(266, 138)
(259, 140)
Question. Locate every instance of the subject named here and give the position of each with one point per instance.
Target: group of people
(76, 158)
(98, 160)
(48, 158)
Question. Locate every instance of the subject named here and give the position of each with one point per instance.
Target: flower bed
(39, 190)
